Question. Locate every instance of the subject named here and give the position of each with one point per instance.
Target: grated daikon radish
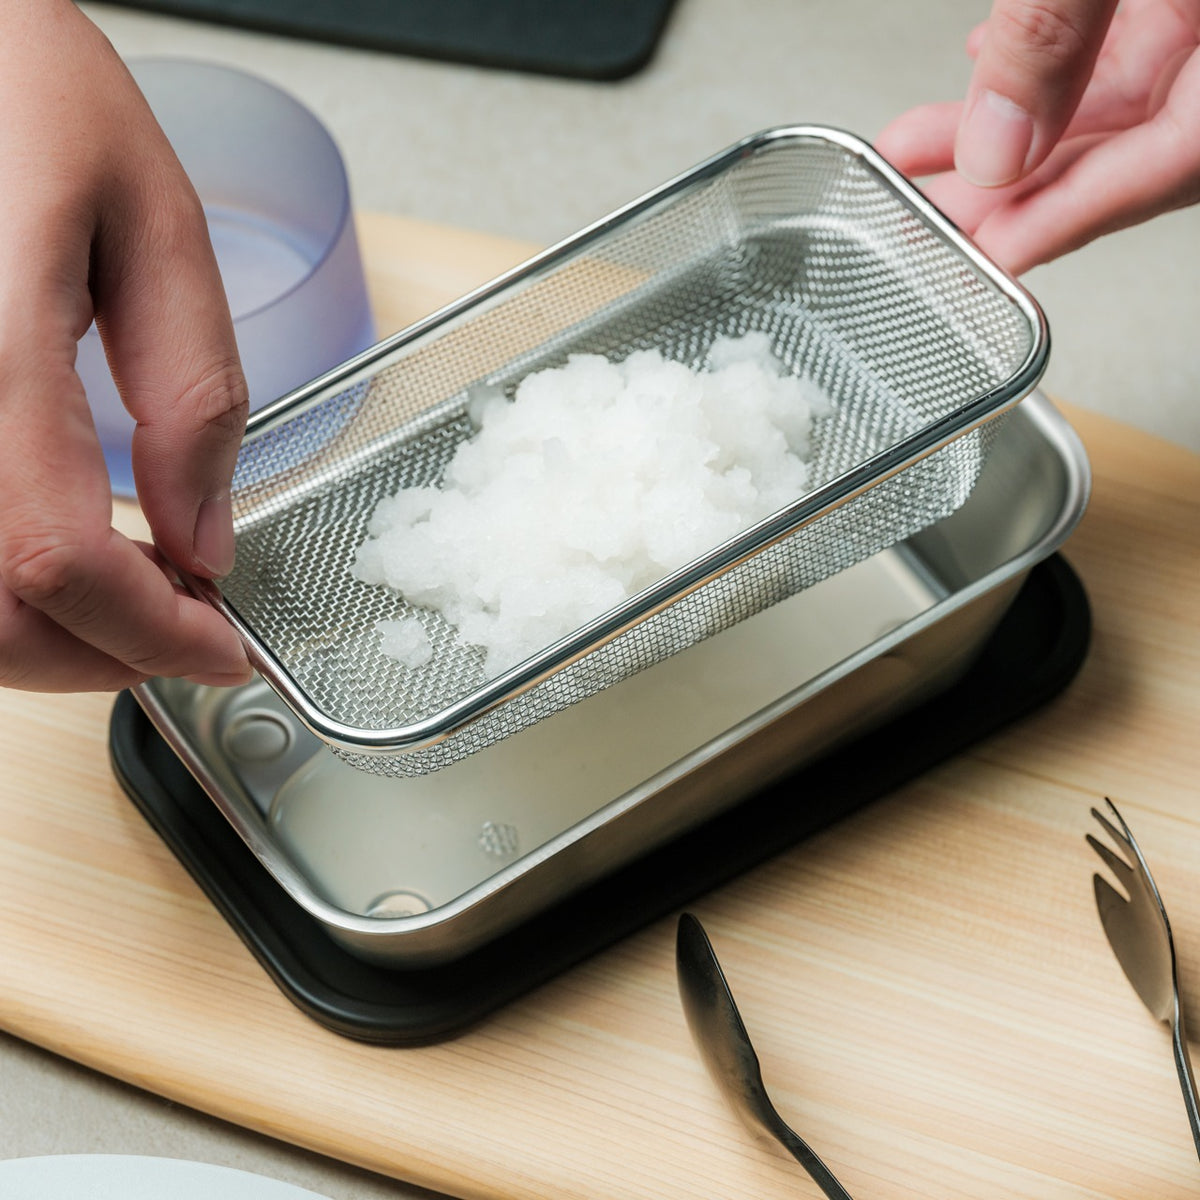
(596, 480)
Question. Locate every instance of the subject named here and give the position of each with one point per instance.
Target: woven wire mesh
(802, 240)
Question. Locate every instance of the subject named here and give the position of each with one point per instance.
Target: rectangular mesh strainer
(802, 233)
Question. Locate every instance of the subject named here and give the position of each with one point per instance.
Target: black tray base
(1033, 654)
(577, 39)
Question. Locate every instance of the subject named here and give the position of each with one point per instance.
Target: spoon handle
(808, 1159)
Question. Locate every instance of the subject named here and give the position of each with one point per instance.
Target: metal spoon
(721, 1038)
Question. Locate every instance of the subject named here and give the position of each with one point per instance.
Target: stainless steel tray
(422, 870)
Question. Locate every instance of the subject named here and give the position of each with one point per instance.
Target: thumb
(1032, 69)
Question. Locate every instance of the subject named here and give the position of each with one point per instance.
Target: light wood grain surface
(934, 1002)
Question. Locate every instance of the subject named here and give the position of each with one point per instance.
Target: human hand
(97, 218)
(1077, 123)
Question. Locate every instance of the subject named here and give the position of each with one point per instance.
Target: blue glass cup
(275, 193)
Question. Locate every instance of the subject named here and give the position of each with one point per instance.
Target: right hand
(98, 219)
(1077, 123)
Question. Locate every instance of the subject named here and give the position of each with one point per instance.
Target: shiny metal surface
(802, 233)
(720, 1036)
(1140, 934)
(864, 645)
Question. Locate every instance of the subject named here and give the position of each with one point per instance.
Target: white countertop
(536, 158)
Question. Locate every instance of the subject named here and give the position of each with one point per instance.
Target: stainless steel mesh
(803, 234)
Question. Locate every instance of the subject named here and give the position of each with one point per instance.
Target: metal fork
(1140, 935)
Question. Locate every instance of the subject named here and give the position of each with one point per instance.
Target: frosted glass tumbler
(274, 191)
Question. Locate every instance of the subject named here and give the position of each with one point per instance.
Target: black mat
(1033, 654)
(584, 39)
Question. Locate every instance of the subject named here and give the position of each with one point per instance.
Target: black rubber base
(584, 39)
(1033, 654)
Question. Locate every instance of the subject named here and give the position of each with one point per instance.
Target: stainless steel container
(413, 871)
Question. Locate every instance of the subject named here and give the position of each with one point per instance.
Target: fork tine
(1137, 858)
(1120, 868)
(1121, 836)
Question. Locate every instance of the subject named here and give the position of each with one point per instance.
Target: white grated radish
(595, 481)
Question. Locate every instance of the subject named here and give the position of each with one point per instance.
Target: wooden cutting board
(935, 1005)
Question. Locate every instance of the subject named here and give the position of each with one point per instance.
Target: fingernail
(994, 141)
(212, 541)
